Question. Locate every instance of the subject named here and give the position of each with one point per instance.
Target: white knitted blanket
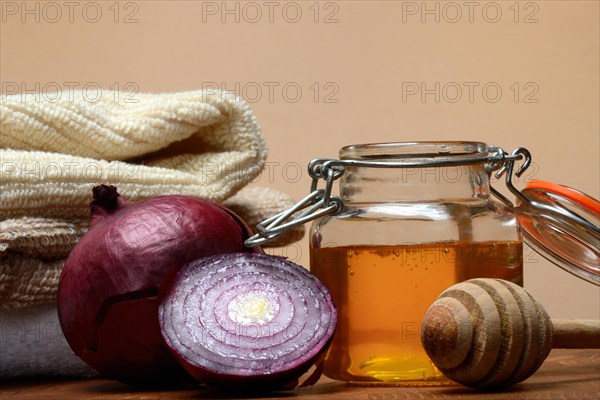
(53, 153)
(208, 145)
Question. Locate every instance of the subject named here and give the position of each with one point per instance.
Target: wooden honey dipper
(491, 333)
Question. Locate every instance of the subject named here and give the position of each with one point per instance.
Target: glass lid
(563, 225)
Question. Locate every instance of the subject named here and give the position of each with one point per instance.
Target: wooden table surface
(566, 374)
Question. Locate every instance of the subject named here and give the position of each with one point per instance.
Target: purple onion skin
(108, 289)
(173, 295)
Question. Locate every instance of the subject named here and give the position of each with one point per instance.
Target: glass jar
(402, 237)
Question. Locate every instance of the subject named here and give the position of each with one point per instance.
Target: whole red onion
(107, 296)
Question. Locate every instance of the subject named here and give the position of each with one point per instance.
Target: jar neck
(424, 184)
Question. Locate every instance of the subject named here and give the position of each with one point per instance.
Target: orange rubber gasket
(587, 202)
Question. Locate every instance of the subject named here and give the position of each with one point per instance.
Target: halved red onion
(244, 320)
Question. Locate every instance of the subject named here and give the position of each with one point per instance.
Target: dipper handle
(491, 333)
(576, 334)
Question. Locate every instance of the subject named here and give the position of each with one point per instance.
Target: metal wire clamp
(321, 202)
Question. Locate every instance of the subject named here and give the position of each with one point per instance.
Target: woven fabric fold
(52, 154)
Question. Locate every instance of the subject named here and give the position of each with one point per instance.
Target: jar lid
(563, 225)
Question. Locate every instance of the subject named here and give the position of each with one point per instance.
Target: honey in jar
(382, 293)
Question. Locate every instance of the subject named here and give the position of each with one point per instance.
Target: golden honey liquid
(382, 293)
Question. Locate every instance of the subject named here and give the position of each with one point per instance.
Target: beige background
(363, 57)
